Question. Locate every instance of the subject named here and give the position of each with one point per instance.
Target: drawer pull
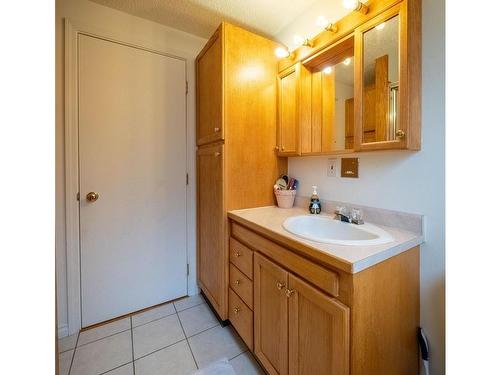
(280, 285)
(289, 292)
(237, 282)
(237, 254)
(237, 310)
(217, 130)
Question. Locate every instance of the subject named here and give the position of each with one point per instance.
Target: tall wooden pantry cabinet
(237, 161)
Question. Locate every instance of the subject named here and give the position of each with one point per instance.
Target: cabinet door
(318, 331)
(211, 223)
(270, 316)
(290, 109)
(209, 91)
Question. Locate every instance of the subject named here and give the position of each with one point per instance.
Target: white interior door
(132, 150)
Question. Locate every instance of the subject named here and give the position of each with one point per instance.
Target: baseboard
(62, 331)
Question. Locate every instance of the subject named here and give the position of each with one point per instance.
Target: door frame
(72, 173)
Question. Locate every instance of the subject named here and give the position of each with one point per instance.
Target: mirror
(381, 82)
(332, 98)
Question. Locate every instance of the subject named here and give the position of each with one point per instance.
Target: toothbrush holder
(285, 198)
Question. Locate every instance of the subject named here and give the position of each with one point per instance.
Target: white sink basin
(325, 229)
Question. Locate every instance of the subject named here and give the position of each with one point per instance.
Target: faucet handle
(357, 216)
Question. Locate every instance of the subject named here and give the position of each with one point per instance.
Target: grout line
(154, 320)
(114, 368)
(157, 350)
(74, 352)
(132, 338)
(189, 345)
(102, 338)
(237, 355)
(206, 329)
(190, 307)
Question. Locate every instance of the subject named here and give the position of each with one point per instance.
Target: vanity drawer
(241, 317)
(241, 256)
(327, 280)
(241, 285)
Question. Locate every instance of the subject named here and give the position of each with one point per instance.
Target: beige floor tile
(103, 355)
(245, 364)
(67, 343)
(197, 319)
(127, 369)
(174, 360)
(156, 335)
(153, 314)
(103, 331)
(65, 362)
(216, 343)
(188, 302)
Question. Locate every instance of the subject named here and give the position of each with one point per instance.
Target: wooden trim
(345, 26)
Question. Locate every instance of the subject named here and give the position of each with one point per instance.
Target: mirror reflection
(333, 98)
(381, 81)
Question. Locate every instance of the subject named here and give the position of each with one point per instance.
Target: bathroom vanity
(305, 307)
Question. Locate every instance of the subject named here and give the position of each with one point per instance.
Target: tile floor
(173, 339)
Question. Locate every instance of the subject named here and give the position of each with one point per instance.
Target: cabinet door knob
(237, 254)
(280, 285)
(400, 133)
(282, 148)
(236, 310)
(289, 292)
(217, 153)
(237, 282)
(277, 148)
(217, 130)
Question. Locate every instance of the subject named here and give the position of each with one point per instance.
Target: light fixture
(381, 26)
(328, 26)
(347, 61)
(356, 5)
(301, 41)
(281, 52)
(328, 70)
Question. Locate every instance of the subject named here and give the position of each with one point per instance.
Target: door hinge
(187, 87)
(187, 269)
(78, 196)
(187, 179)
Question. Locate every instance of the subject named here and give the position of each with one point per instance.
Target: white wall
(106, 21)
(404, 181)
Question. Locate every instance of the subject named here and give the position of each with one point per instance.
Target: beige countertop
(268, 222)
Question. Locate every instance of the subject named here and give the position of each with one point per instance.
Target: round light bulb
(298, 40)
(281, 52)
(350, 4)
(327, 70)
(381, 26)
(347, 61)
(322, 22)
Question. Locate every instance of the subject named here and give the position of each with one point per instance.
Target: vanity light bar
(355, 5)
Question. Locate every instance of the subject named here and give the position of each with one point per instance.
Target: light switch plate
(331, 168)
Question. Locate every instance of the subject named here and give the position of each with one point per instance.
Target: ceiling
(201, 17)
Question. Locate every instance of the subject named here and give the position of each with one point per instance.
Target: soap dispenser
(315, 205)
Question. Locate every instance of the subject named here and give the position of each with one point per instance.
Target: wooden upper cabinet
(318, 332)
(211, 223)
(270, 315)
(293, 109)
(209, 119)
(388, 79)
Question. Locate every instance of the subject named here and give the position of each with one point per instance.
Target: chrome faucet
(354, 217)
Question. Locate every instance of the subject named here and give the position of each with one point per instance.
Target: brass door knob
(92, 197)
(236, 310)
(289, 292)
(400, 133)
(280, 285)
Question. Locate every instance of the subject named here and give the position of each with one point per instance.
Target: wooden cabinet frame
(409, 79)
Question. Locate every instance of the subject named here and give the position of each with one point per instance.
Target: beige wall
(404, 181)
(121, 26)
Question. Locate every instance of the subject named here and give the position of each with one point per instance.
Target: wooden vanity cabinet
(313, 318)
(237, 163)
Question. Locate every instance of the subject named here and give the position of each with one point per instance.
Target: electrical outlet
(332, 168)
